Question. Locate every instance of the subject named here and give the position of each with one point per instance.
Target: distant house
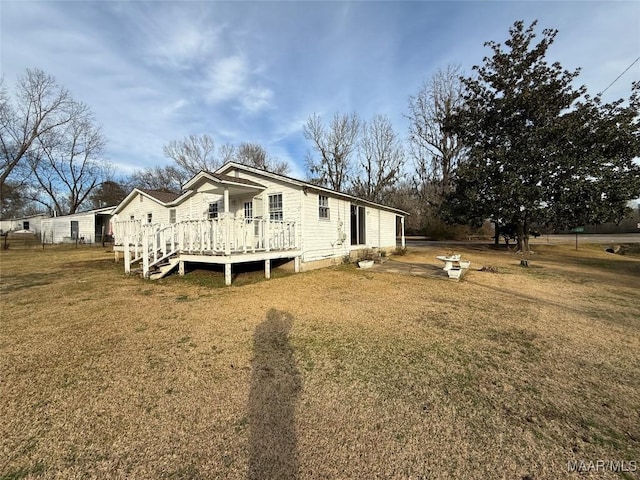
(242, 214)
(84, 227)
(29, 223)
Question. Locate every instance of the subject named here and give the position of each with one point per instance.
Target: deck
(225, 241)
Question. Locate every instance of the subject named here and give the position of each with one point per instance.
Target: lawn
(334, 373)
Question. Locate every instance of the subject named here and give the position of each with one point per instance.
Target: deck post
(127, 257)
(296, 264)
(116, 254)
(181, 268)
(227, 274)
(402, 241)
(267, 269)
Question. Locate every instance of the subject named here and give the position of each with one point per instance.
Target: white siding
(325, 238)
(196, 207)
(140, 209)
(58, 229)
(18, 223)
(291, 204)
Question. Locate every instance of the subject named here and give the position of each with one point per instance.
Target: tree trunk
(496, 237)
(523, 237)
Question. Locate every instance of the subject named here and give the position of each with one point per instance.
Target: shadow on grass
(275, 386)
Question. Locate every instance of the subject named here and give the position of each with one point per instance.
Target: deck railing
(221, 236)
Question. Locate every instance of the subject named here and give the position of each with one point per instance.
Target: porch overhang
(217, 183)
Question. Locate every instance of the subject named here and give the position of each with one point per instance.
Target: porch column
(267, 221)
(402, 241)
(227, 274)
(267, 269)
(226, 200)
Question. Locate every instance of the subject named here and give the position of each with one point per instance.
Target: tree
(193, 154)
(12, 200)
(335, 145)
(67, 164)
(109, 193)
(167, 179)
(436, 150)
(41, 108)
(380, 158)
(540, 150)
(254, 155)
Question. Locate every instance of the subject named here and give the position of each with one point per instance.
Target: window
(132, 217)
(248, 209)
(213, 211)
(75, 229)
(25, 225)
(275, 207)
(149, 217)
(172, 215)
(140, 197)
(323, 206)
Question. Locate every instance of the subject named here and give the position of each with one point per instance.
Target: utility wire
(618, 77)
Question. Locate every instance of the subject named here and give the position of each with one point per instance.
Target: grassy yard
(336, 373)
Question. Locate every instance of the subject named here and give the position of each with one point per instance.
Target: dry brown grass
(335, 373)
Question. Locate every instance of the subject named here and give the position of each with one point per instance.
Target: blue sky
(153, 72)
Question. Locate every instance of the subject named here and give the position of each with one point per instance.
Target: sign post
(577, 230)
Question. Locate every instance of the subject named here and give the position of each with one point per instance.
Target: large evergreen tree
(539, 149)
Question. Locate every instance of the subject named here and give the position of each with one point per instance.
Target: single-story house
(242, 214)
(31, 223)
(85, 227)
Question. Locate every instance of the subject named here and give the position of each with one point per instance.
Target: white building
(242, 214)
(84, 227)
(30, 223)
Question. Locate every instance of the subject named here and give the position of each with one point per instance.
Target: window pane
(275, 206)
(213, 210)
(323, 206)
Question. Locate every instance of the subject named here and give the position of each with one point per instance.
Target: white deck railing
(221, 236)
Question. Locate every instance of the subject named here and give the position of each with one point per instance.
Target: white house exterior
(84, 227)
(31, 223)
(240, 214)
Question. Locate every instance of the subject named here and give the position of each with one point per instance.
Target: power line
(618, 77)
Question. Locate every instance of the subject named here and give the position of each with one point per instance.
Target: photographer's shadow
(275, 386)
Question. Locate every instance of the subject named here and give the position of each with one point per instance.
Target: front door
(358, 225)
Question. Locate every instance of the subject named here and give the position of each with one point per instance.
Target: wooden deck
(224, 241)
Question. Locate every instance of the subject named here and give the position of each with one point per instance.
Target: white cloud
(232, 80)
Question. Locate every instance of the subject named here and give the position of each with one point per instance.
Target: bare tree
(381, 156)
(436, 151)
(41, 107)
(193, 154)
(254, 155)
(67, 165)
(334, 144)
(198, 153)
(167, 179)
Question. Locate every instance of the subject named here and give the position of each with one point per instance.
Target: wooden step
(164, 269)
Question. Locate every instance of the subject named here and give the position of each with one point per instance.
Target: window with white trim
(323, 206)
(275, 207)
(248, 209)
(172, 215)
(213, 210)
(149, 217)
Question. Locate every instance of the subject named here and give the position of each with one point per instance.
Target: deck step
(164, 269)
